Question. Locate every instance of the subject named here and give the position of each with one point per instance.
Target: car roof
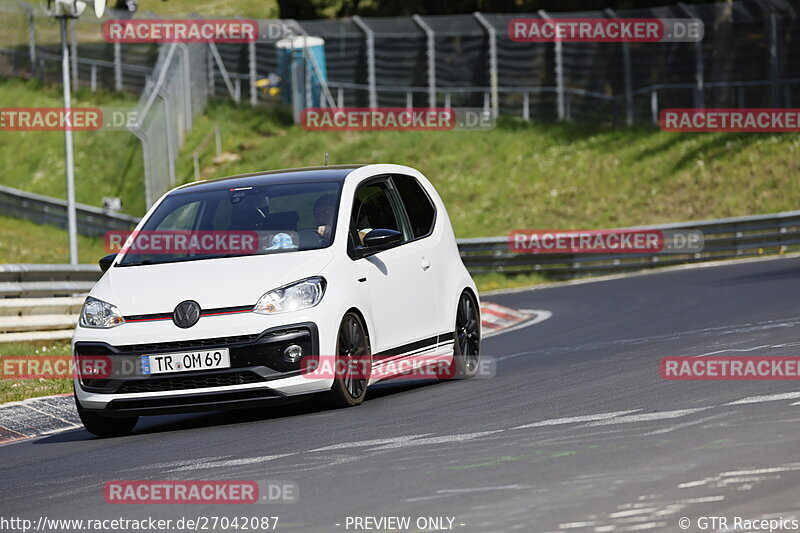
(270, 177)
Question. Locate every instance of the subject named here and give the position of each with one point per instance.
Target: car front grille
(186, 345)
(189, 382)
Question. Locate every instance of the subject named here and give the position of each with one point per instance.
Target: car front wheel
(103, 426)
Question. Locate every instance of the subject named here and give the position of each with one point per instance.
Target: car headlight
(99, 314)
(293, 297)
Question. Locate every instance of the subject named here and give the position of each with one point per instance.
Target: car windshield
(263, 219)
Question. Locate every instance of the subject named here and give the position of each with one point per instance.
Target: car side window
(419, 208)
(374, 208)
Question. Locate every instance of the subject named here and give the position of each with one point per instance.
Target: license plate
(185, 362)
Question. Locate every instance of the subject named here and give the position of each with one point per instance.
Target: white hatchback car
(357, 262)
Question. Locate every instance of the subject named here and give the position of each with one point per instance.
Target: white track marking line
(445, 493)
(752, 349)
(444, 439)
(483, 489)
(173, 464)
(540, 315)
(573, 525)
(646, 417)
(631, 512)
(574, 419)
(790, 467)
(767, 398)
(683, 425)
(363, 443)
(230, 462)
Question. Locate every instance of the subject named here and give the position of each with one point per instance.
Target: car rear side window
(419, 208)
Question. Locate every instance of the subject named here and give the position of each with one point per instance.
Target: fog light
(292, 353)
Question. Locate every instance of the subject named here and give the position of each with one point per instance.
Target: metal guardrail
(92, 221)
(723, 239)
(19, 281)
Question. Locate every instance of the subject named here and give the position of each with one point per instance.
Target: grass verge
(12, 390)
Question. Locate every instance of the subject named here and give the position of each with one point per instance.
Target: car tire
(466, 340)
(350, 381)
(103, 426)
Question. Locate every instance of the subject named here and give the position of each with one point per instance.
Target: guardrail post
(431, 52)
(117, 67)
(326, 98)
(493, 73)
(526, 106)
(212, 82)
(699, 90)
(774, 59)
(654, 106)
(297, 106)
(307, 74)
(561, 109)
(74, 52)
(31, 35)
(251, 52)
(196, 165)
(771, 19)
(739, 235)
(171, 135)
(222, 70)
(627, 73)
(370, 35)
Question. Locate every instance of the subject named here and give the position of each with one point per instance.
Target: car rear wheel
(103, 426)
(353, 363)
(467, 340)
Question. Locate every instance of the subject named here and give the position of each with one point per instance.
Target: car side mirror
(378, 240)
(106, 262)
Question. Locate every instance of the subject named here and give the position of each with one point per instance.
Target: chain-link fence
(30, 46)
(746, 59)
(173, 96)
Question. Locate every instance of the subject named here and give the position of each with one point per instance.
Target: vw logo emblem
(186, 314)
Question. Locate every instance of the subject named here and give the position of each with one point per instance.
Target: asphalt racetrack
(577, 431)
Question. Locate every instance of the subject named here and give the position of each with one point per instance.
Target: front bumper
(258, 374)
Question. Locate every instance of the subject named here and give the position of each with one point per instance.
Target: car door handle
(425, 264)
